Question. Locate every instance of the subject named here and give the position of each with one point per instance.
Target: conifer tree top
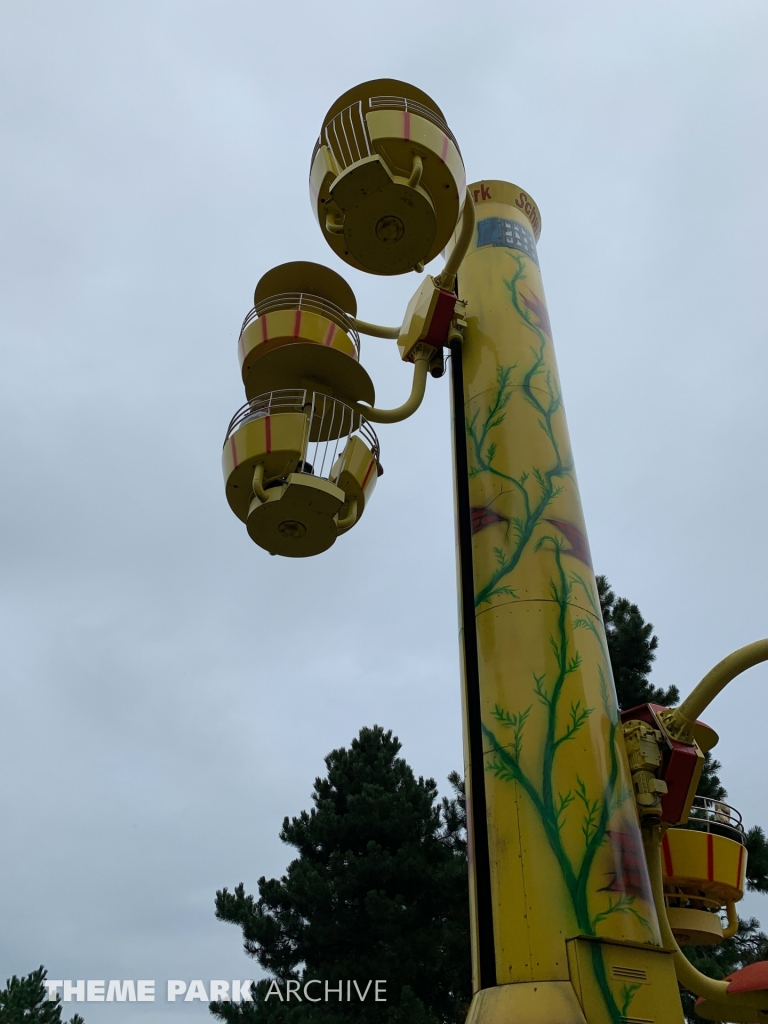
(373, 893)
(632, 648)
(25, 1001)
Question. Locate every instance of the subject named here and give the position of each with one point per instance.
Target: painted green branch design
(562, 725)
(532, 493)
(628, 993)
(506, 763)
(514, 722)
(537, 488)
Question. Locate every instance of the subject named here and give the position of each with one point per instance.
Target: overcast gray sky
(168, 689)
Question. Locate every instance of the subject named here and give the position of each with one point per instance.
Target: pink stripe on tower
(329, 334)
(444, 152)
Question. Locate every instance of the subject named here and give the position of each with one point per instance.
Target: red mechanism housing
(681, 766)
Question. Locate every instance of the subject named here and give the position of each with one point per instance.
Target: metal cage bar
(355, 143)
(401, 103)
(354, 131)
(311, 303)
(329, 421)
(708, 815)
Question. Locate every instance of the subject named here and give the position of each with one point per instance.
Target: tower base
(611, 983)
(528, 1002)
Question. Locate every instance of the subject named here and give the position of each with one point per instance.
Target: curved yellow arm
(447, 279)
(733, 920)
(679, 721)
(258, 483)
(350, 518)
(375, 331)
(743, 1006)
(687, 974)
(418, 170)
(422, 356)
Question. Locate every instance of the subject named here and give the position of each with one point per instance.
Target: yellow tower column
(564, 927)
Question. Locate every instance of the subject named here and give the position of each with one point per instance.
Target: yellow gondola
(704, 873)
(387, 179)
(301, 334)
(299, 468)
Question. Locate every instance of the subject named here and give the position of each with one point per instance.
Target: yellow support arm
(687, 974)
(258, 483)
(733, 920)
(679, 721)
(422, 355)
(350, 518)
(375, 331)
(743, 1006)
(447, 279)
(417, 171)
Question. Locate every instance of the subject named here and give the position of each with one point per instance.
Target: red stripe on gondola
(268, 432)
(710, 857)
(233, 449)
(329, 334)
(444, 153)
(406, 124)
(738, 869)
(368, 472)
(667, 857)
(297, 323)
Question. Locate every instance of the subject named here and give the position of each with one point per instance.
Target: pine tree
(632, 648)
(757, 860)
(25, 1001)
(378, 890)
(379, 886)
(709, 783)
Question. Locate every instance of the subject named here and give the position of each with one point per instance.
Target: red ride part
(437, 332)
(681, 766)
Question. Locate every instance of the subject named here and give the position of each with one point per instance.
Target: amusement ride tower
(591, 860)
